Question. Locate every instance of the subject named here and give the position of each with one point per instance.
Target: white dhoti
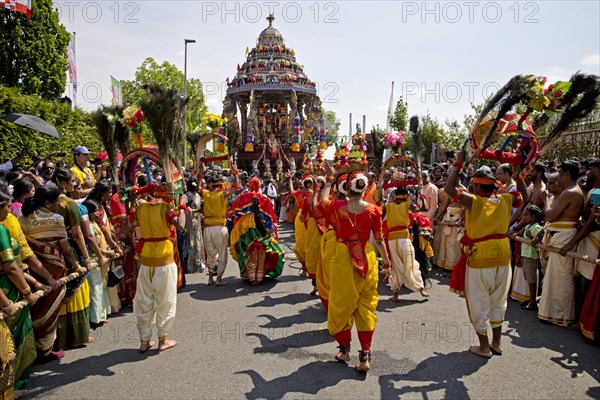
(520, 287)
(405, 268)
(557, 304)
(589, 246)
(486, 290)
(155, 301)
(216, 244)
(449, 250)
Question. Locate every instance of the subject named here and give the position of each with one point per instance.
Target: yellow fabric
(79, 174)
(352, 299)
(313, 246)
(153, 224)
(328, 246)
(79, 302)
(487, 217)
(300, 233)
(14, 227)
(397, 215)
(215, 208)
(243, 225)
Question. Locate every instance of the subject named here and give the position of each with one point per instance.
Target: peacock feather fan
(514, 92)
(108, 122)
(578, 102)
(164, 112)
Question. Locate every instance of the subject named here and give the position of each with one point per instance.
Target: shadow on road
(293, 298)
(440, 372)
(313, 314)
(82, 369)
(310, 379)
(276, 345)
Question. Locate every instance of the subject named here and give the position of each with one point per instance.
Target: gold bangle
(25, 291)
(4, 308)
(87, 260)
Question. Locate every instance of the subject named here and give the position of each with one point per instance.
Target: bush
(75, 127)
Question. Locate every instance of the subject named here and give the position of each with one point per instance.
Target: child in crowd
(529, 254)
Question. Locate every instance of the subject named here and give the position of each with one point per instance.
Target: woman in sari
(46, 234)
(15, 288)
(354, 276)
(74, 318)
(302, 198)
(98, 277)
(252, 224)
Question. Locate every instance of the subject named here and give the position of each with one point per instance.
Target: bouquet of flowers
(133, 118)
(358, 152)
(214, 121)
(394, 141)
(341, 155)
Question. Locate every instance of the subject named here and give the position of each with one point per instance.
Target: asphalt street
(271, 341)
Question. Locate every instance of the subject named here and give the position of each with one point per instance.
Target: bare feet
(146, 345)
(220, 282)
(314, 292)
(166, 344)
(365, 361)
(496, 349)
(574, 326)
(424, 293)
(394, 298)
(480, 352)
(91, 340)
(210, 281)
(342, 357)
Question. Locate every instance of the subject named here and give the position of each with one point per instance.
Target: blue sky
(441, 55)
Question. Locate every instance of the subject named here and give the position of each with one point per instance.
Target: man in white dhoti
(557, 304)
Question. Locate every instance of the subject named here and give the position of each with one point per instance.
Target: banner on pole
(117, 91)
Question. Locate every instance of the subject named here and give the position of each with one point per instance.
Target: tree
(399, 121)
(454, 136)
(431, 132)
(75, 127)
(34, 50)
(332, 126)
(168, 76)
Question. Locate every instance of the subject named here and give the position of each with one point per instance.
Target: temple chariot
(277, 105)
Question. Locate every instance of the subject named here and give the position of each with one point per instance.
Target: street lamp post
(186, 41)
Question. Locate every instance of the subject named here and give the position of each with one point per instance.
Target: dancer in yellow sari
(353, 294)
(329, 240)
(302, 198)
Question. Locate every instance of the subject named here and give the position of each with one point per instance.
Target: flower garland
(394, 141)
(133, 118)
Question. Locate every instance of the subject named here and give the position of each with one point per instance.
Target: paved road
(271, 341)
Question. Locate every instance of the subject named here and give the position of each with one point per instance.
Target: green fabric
(73, 329)
(272, 249)
(5, 244)
(21, 328)
(526, 249)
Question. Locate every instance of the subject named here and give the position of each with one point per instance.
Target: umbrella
(32, 122)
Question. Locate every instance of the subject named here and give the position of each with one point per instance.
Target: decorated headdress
(358, 181)
(358, 153)
(341, 183)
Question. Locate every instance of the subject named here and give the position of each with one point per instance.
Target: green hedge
(75, 127)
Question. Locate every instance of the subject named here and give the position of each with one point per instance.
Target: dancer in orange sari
(353, 294)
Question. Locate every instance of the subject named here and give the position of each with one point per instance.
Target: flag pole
(75, 61)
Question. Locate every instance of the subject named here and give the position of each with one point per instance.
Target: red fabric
(355, 231)
(588, 320)
(117, 207)
(411, 182)
(344, 338)
(504, 157)
(325, 303)
(365, 338)
(422, 220)
(459, 273)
